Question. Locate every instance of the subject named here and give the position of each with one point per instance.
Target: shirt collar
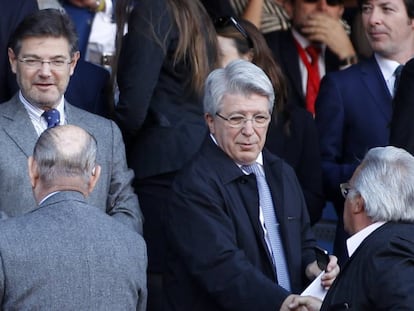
(47, 197)
(387, 66)
(355, 240)
(303, 42)
(36, 112)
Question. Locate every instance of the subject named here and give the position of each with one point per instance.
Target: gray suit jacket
(113, 192)
(68, 255)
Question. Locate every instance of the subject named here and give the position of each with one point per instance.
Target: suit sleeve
(330, 122)
(392, 276)
(122, 201)
(202, 232)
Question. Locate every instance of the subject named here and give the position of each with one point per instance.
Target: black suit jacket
(300, 149)
(12, 13)
(162, 122)
(218, 258)
(402, 125)
(379, 275)
(284, 50)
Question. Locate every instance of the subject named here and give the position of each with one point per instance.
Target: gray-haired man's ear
(33, 171)
(93, 179)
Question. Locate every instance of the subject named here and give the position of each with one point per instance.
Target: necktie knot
(252, 168)
(52, 117)
(314, 53)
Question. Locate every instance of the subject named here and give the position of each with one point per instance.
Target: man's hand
(92, 5)
(304, 303)
(288, 301)
(332, 270)
(324, 29)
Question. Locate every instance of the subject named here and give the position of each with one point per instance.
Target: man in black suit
(317, 24)
(221, 231)
(379, 214)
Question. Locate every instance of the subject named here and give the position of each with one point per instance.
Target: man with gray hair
(237, 228)
(379, 215)
(67, 254)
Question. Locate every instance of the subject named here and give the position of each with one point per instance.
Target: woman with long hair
(169, 50)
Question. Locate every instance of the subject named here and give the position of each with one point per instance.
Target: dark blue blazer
(282, 44)
(89, 88)
(218, 258)
(353, 113)
(12, 13)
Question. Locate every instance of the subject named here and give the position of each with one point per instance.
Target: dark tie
(397, 75)
(312, 86)
(52, 117)
(271, 225)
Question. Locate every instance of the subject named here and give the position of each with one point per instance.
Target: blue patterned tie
(52, 117)
(272, 226)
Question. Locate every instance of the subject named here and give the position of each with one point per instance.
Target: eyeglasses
(328, 2)
(238, 120)
(35, 63)
(226, 21)
(345, 189)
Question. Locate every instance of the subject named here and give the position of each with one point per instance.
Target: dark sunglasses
(226, 21)
(328, 2)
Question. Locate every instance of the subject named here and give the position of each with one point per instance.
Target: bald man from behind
(67, 254)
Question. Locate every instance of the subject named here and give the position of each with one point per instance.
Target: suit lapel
(18, 126)
(72, 115)
(272, 168)
(246, 187)
(250, 197)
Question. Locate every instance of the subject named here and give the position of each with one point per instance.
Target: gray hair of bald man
(238, 77)
(65, 151)
(386, 182)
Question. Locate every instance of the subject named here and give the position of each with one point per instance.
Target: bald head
(63, 159)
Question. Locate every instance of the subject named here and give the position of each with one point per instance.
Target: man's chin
(46, 102)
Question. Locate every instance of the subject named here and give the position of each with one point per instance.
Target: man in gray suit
(67, 254)
(43, 54)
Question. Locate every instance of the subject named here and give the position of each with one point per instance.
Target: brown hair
(197, 37)
(261, 57)
(197, 43)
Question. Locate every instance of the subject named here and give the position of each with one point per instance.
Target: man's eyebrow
(38, 57)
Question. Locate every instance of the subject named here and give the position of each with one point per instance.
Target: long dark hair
(262, 57)
(197, 43)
